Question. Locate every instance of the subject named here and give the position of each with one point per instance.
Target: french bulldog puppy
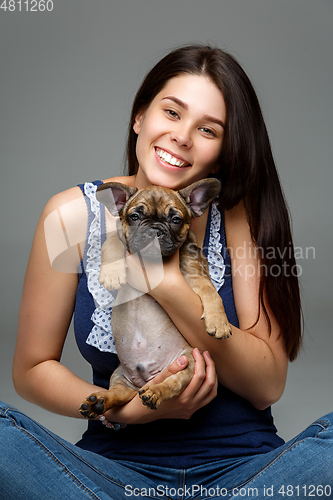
(153, 222)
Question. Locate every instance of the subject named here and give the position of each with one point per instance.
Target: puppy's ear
(200, 194)
(114, 195)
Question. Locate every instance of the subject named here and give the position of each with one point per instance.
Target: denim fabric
(35, 464)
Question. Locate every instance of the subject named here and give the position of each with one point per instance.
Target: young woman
(195, 115)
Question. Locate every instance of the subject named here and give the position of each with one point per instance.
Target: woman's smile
(170, 159)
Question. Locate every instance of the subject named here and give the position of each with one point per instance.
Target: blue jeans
(35, 464)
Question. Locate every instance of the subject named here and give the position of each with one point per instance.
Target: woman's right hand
(201, 390)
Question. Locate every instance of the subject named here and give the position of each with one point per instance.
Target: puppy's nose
(153, 232)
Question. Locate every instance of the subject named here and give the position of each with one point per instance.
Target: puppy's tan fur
(146, 339)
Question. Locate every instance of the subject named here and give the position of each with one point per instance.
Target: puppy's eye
(176, 219)
(134, 216)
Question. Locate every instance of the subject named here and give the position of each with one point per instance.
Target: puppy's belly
(146, 339)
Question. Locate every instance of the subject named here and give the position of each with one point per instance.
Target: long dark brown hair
(247, 172)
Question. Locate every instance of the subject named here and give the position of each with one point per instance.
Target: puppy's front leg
(214, 316)
(194, 267)
(113, 268)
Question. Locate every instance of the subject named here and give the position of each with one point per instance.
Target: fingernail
(182, 361)
(207, 354)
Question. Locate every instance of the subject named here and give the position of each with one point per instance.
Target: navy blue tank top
(228, 427)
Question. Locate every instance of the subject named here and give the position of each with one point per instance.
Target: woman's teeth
(168, 158)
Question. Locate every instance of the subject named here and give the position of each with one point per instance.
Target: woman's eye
(208, 131)
(172, 113)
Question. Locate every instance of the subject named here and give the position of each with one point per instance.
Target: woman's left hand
(201, 390)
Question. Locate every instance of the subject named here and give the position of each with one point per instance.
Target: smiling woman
(244, 164)
(180, 134)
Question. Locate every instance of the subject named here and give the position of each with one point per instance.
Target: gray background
(68, 78)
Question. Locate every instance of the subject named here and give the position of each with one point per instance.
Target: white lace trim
(214, 256)
(101, 334)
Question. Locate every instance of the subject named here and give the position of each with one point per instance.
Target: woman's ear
(215, 169)
(137, 123)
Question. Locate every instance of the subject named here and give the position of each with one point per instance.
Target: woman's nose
(182, 138)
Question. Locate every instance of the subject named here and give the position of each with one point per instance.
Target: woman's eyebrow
(214, 120)
(183, 105)
(177, 101)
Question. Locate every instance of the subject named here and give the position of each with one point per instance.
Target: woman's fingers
(208, 389)
(175, 367)
(204, 383)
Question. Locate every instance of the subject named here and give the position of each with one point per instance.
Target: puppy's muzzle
(152, 239)
(154, 232)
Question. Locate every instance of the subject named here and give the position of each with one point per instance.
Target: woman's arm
(251, 363)
(45, 314)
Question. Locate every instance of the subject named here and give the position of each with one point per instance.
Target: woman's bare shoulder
(61, 199)
(66, 212)
(124, 179)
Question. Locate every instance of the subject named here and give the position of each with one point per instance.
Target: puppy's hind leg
(153, 395)
(118, 394)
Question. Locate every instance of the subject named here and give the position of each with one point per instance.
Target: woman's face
(180, 134)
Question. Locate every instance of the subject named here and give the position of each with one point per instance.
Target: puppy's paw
(92, 407)
(217, 326)
(150, 398)
(113, 276)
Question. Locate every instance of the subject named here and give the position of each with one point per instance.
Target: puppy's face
(156, 220)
